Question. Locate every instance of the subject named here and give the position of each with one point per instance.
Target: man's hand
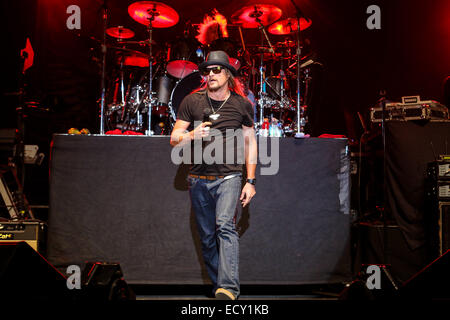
(248, 192)
(202, 130)
(180, 136)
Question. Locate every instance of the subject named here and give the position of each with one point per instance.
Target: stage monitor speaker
(104, 281)
(25, 274)
(432, 282)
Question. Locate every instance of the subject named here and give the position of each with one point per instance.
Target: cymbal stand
(153, 13)
(262, 90)
(282, 90)
(257, 14)
(262, 100)
(300, 113)
(122, 87)
(242, 39)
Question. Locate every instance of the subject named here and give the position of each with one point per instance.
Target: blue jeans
(215, 207)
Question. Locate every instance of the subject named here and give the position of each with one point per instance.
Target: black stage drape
(410, 146)
(121, 199)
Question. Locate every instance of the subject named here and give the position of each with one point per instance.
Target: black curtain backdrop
(121, 199)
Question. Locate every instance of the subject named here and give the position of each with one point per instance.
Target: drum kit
(145, 90)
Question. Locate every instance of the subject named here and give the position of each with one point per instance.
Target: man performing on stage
(215, 188)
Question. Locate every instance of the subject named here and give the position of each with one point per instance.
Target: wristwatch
(251, 181)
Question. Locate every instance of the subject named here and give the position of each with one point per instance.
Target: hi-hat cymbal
(136, 59)
(130, 57)
(120, 32)
(142, 43)
(286, 44)
(254, 15)
(120, 49)
(289, 26)
(160, 14)
(266, 52)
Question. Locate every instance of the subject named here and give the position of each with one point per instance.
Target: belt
(205, 177)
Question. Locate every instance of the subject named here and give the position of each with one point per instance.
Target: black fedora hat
(220, 58)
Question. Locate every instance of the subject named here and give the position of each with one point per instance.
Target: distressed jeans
(215, 207)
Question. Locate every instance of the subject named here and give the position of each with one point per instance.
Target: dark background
(408, 56)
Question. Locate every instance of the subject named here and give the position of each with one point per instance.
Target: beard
(215, 87)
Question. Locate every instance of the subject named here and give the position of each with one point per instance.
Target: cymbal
(289, 26)
(160, 14)
(120, 32)
(254, 15)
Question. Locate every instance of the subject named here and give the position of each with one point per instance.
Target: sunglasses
(215, 70)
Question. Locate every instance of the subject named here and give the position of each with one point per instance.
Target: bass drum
(182, 88)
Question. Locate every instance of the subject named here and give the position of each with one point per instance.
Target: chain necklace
(215, 115)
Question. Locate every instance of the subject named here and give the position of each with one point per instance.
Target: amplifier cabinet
(439, 170)
(438, 181)
(32, 232)
(444, 226)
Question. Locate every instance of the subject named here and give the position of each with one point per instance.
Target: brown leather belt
(205, 177)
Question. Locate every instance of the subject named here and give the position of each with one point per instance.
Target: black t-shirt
(235, 113)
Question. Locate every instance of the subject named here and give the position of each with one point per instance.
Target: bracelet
(251, 181)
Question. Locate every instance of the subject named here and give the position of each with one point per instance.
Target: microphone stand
(21, 109)
(382, 102)
(386, 247)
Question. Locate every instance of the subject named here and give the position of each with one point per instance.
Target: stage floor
(322, 292)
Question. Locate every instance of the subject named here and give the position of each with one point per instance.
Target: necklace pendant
(214, 116)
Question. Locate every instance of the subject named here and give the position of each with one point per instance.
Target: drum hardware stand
(300, 120)
(151, 101)
(262, 91)
(103, 86)
(262, 100)
(242, 38)
(282, 92)
(122, 88)
(173, 116)
(257, 14)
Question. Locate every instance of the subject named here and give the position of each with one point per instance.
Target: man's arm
(251, 159)
(180, 135)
